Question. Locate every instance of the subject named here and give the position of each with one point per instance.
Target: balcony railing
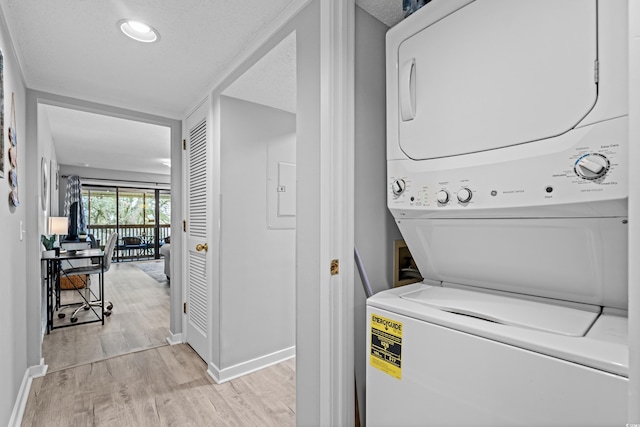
(145, 232)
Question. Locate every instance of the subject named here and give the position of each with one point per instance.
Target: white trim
(174, 339)
(151, 185)
(38, 371)
(227, 374)
(337, 406)
(633, 416)
(32, 372)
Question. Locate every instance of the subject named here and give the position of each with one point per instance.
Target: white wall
(375, 229)
(257, 266)
(13, 265)
(634, 213)
(45, 151)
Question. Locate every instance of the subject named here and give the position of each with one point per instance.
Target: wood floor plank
(139, 320)
(125, 374)
(163, 386)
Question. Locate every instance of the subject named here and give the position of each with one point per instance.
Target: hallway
(124, 373)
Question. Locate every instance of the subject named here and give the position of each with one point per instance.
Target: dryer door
(496, 73)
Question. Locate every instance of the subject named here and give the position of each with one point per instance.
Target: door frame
(324, 302)
(36, 98)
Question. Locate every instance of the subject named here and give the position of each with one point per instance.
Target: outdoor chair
(131, 243)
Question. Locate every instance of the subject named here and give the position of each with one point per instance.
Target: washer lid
(568, 319)
(496, 73)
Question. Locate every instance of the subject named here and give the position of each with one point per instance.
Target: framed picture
(44, 186)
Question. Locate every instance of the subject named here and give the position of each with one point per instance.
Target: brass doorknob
(200, 247)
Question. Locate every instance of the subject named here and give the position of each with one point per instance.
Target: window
(132, 213)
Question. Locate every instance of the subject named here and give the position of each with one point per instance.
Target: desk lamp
(58, 225)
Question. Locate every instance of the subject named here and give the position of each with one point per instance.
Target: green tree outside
(135, 207)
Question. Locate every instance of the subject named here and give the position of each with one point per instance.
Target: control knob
(592, 166)
(442, 196)
(464, 195)
(398, 186)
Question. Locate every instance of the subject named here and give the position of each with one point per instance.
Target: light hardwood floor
(125, 374)
(164, 386)
(139, 320)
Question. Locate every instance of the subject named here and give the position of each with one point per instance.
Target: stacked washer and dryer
(507, 176)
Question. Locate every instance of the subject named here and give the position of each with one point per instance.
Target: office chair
(94, 245)
(93, 269)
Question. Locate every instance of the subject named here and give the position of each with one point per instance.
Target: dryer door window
(497, 73)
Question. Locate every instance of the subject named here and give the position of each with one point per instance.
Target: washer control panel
(590, 165)
(398, 186)
(443, 197)
(464, 195)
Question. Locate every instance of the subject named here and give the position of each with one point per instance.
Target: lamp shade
(58, 225)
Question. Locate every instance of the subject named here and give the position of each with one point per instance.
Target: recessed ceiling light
(138, 31)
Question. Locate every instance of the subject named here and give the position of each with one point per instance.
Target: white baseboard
(174, 339)
(23, 394)
(227, 374)
(38, 371)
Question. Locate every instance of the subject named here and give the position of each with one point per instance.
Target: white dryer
(507, 176)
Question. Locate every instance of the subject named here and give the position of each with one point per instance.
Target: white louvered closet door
(198, 236)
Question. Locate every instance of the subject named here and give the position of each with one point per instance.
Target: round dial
(442, 196)
(464, 195)
(592, 166)
(398, 186)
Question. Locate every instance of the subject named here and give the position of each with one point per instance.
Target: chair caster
(74, 319)
(107, 313)
(110, 306)
(61, 315)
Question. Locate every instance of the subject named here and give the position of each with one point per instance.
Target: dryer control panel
(585, 168)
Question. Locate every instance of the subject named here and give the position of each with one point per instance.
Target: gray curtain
(74, 194)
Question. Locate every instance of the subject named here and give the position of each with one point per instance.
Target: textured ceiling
(74, 48)
(387, 11)
(272, 80)
(98, 141)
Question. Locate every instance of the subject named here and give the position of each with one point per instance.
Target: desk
(54, 271)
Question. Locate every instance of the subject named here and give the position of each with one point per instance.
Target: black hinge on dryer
(184, 144)
(596, 71)
(184, 225)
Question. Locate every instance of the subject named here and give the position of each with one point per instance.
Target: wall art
(44, 174)
(14, 200)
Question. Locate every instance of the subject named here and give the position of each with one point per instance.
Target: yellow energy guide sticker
(386, 345)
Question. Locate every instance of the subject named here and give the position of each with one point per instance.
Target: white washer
(507, 176)
(455, 369)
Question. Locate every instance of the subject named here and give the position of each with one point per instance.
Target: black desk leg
(102, 288)
(49, 296)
